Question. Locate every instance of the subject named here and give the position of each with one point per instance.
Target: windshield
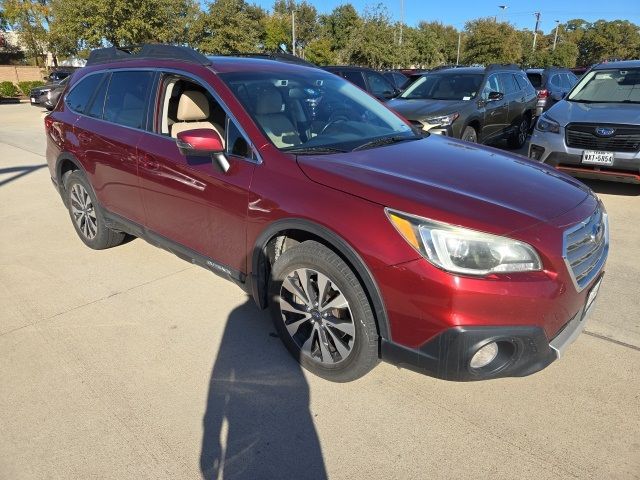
(608, 86)
(314, 111)
(459, 86)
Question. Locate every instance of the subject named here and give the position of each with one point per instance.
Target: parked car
(368, 80)
(363, 238)
(551, 85)
(46, 95)
(57, 76)
(476, 104)
(398, 79)
(595, 131)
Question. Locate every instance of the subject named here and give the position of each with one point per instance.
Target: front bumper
(550, 148)
(522, 350)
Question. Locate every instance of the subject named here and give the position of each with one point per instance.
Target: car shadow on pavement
(19, 172)
(613, 188)
(257, 423)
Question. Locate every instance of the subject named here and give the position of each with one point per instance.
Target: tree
(488, 41)
(370, 43)
(603, 40)
(338, 26)
(82, 24)
(230, 26)
(30, 18)
(319, 52)
(445, 40)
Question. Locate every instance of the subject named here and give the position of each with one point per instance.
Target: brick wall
(17, 74)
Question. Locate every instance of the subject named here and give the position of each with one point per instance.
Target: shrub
(8, 89)
(25, 87)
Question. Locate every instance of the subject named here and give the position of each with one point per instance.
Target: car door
(107, 133)
(515, 98)
(495, 111)
(188, 201)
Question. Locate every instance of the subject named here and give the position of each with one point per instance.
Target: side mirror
(203, 142)
(495, 96)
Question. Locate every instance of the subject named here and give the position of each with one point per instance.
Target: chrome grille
(626, 138)
(586, 247)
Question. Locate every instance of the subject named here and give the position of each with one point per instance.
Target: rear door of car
(514, 97)
(187, 199)
(108, 130)
(496, 112)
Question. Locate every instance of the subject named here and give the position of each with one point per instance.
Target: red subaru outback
(365, 239)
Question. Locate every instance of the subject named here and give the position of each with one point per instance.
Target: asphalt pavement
(130, 363)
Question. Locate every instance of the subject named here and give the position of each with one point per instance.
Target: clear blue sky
(520, 13)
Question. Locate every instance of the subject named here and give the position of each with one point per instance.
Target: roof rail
(278, 56)
(146, 51)
(503, 66)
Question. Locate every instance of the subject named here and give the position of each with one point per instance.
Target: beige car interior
(275, 123)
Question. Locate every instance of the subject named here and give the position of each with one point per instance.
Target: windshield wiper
(314, 150)
(379, 142)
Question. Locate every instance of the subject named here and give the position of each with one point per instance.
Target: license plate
(593, 293)
(33, 99)
(596, 157)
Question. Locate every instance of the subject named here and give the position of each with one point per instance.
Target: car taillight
(543, 93)
(48, 121)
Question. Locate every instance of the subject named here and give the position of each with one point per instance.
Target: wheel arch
(65, 163)
(300, 230)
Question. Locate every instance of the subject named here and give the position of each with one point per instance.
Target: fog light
(536, 152)
(484, 356)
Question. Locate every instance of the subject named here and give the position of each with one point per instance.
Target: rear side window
(522, 81)
(127, 98)
(535, 79)
(97, 105)
(509, 83)
(82, 93)
(355, 78)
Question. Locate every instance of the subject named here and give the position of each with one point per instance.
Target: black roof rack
(503, 66)
(279, 56)
(148, 50)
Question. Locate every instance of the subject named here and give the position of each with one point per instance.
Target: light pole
(535, 31)
(293, 28)
(401, 19)
(503, 7)
(555, 39)
(458, 56)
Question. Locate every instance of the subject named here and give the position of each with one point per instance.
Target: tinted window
(535, 79)
(492, 85)
(236, 143)
(127, 98)
(378, 84)
(555, 81)
(522, 82)
(97, 104)
(355, 78)
(82, 92)
(448, 86)
(509, 83)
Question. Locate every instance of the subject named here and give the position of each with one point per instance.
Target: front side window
(452, 86)
(128, 97)
(82, 92)
(378, 84)
(356, 78)
(619, 85)
(313, 110)
(493, 85)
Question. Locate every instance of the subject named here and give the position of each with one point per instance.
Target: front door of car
(514, 97)
(188, 200)
(496, 111)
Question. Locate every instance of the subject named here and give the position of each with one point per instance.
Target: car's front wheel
(322, 313)
(86, 214)
(470, 135)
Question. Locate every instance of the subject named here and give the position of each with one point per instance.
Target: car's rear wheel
(86, 214)
(322, 313)
(519, 136)
(470, 135)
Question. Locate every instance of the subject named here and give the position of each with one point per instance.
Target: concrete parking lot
(130, 363)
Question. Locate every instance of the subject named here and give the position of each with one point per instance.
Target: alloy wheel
(83, 211)
(317, 316)
(522, 132)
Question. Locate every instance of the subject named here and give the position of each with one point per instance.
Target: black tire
(92, 231)
(469, 134)
(518, 138)
(318, 259)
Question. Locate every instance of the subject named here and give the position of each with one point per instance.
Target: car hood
(566, 112)
(421, 109)
(451, 181)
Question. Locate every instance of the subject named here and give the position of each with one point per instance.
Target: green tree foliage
(603, 40)
(229, 26)
(31, 19)
(442, 38)
(488, 41)
(82, 24)
(370, 43)
(339, 26)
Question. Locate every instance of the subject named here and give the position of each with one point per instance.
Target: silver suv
(595, 131)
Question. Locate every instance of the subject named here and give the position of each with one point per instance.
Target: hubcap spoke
(323, 289)
(324, 346)
(338, 302)
(308, 344)
(290, 285)
(345, 326)
(337, 342)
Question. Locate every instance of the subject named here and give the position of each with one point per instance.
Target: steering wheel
(336, 117)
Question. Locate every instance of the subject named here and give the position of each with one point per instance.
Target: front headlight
(442, 120)
(547, 124)
(465, 251)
